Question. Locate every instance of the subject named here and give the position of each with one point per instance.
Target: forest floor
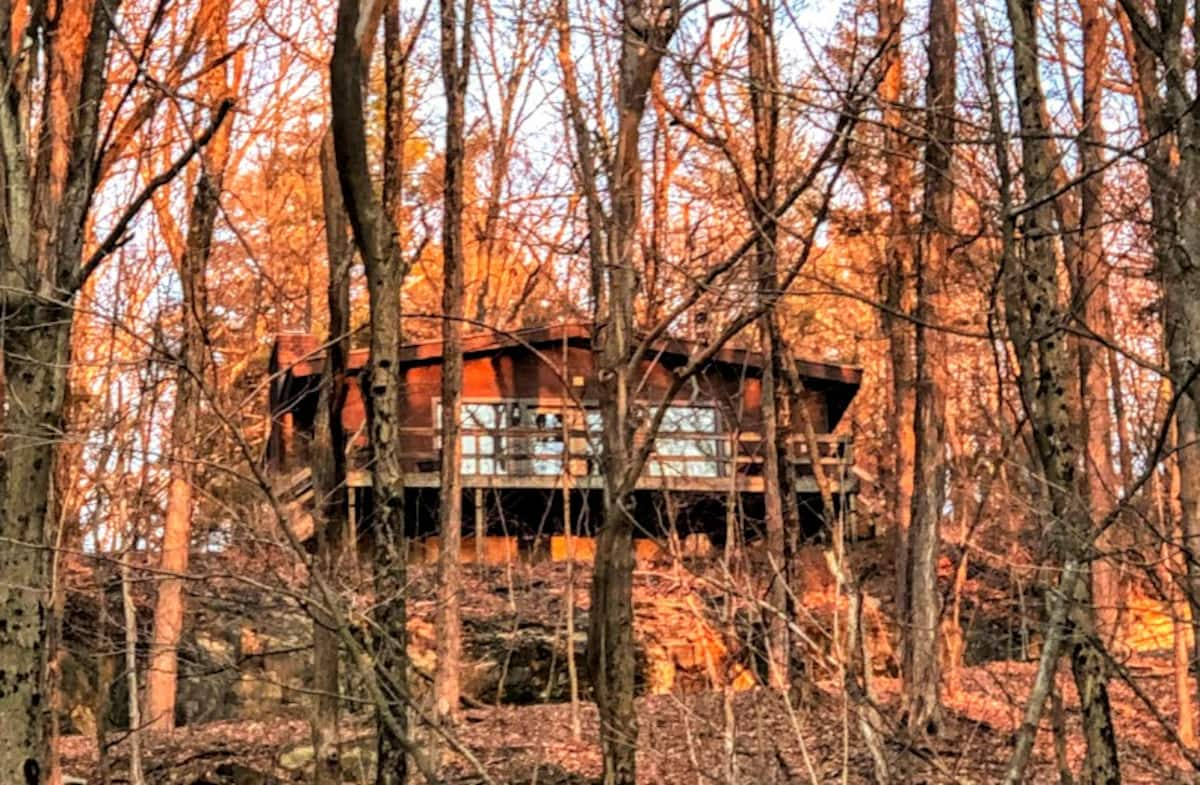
(695, 733)
(686, 739)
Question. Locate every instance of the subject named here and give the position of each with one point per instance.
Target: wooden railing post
(479, 525)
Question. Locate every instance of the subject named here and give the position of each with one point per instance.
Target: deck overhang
(361, 478)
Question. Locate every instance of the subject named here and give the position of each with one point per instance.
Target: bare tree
(610, 249)
(456, 70)
(375, 235)
(760, 196)
(646, 29)
(328, 456)
(42, 268)
(192, 256)
(1091, 294)
(1168, 113)
(922, 609)
(1035, 317)
(897, 283)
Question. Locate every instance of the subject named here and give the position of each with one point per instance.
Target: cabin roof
(302, 354)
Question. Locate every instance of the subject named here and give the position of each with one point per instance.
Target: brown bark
(456, 68)
(106, 672)
(777, 644)
(1121, 416)
(1058, 724)
(161, 677)
(35, 346)
(1188, 460)
(760, 197)
(376, 239)
(1091, 303)
(898, 253)
(329, 475)
(1174, 578)
(136, 774)
(162, 673)
(646, 31)
(953, 642)
(1167, 110)
(64, 538)
(922, 611)
(1184, 697)
(1042, 349)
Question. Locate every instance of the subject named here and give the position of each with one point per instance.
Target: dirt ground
(688, 739)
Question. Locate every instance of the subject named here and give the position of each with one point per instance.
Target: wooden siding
(530, 367)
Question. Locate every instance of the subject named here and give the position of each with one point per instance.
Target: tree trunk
(610, 640)
(897, 284)
(329, 475)
(1091, 302)
(760, 204)
(1174, 578)
(610, 624)
(35, 350)
(456, 67)
(1044, 363)
(35, 345)
(136, 775)
(1188, 459)
(375, 236)
(922, 679)
(1169, 129)
(106, 671)
(646, 33)
(1058, 725)
(41, 252)
(1089, 668)
(162, 673)
(778, 647)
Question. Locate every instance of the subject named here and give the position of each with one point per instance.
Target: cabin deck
(531, 429)
(695, 462)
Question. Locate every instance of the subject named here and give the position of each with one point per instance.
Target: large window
(545, 440)
(687, 444)
(526, 438)
(481, 424)
(510, 437)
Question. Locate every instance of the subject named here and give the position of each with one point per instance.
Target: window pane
(478, 415)
(689, 418)
(689, 452)
(545, 449)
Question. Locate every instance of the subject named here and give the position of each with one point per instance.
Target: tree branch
(116, 237)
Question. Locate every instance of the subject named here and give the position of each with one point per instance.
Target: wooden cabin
(530, 432)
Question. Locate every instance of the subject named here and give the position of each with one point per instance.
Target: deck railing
(537, 452)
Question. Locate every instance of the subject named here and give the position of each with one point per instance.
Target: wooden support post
(287, 441)
(350, 543)
(480, 526)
